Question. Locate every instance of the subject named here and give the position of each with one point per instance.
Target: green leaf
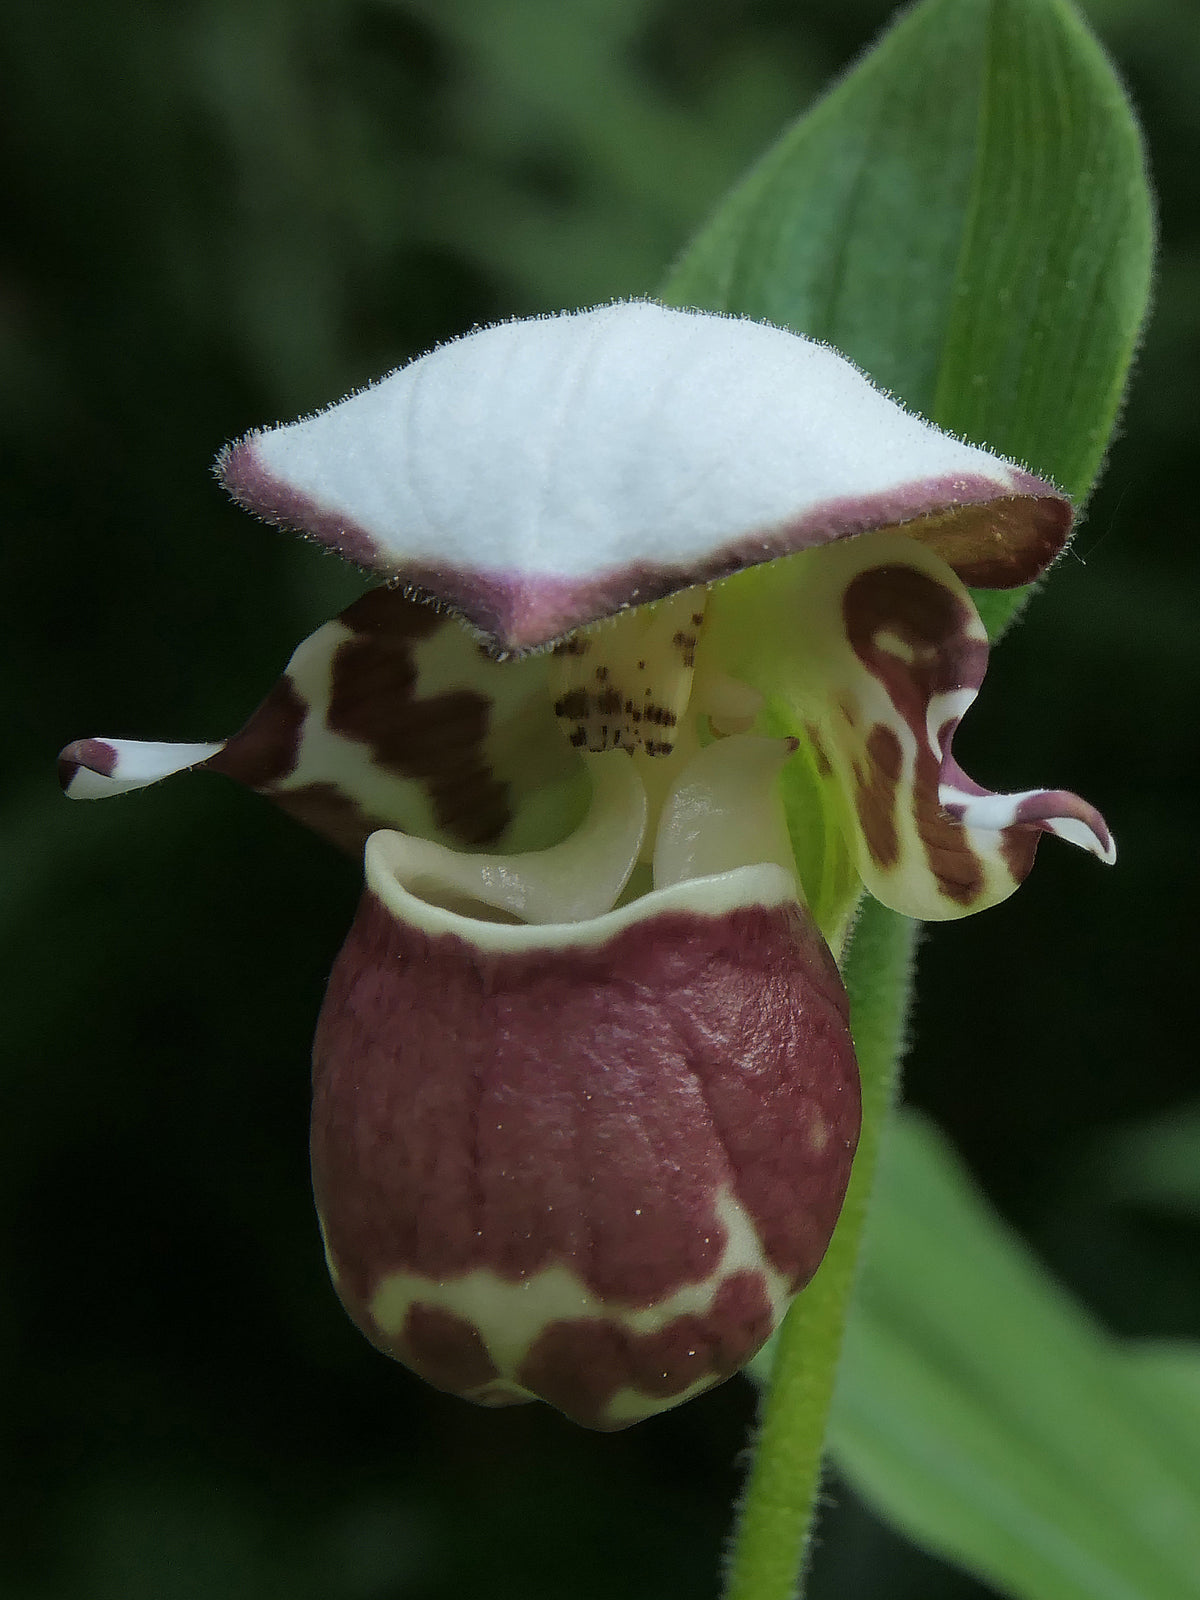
(988, 1416)
(1168, 1374)
(1153, 1164)
(966, 216)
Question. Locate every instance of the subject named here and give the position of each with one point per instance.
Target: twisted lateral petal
(389, 716)
(880, 652)
(588, 1163)
(93, 769)
(539, 475)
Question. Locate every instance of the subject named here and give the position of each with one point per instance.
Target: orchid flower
(673, 646)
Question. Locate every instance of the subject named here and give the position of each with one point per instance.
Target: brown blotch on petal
(875, 795)
(933, 625)
(435, 740)
(267, 749)
(929, 620)
(1018, 847)
(327, 810)
(955, 866)
(390, 612)
(820, 755)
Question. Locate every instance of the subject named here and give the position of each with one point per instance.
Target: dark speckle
(574, 704)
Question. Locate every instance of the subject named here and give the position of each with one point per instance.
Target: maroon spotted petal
(390, 716)
(877, 648)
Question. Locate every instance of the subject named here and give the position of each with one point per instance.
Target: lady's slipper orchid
(585, 1100)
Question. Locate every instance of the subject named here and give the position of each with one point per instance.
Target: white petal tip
(94, 769)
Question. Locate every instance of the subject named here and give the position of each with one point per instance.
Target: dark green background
(224, 212)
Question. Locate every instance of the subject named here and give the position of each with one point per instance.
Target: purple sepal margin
(517, 612)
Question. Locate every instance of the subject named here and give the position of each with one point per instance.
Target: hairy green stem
(776, 1515)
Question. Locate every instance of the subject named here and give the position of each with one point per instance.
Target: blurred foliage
(987, 256)
(223, 212)
(990, 1417)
